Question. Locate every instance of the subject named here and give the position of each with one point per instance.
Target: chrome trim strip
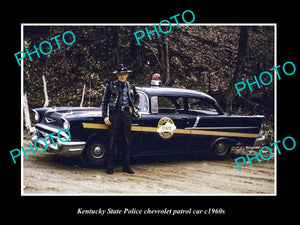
(52, 129)
(43, 126)
(218, 128)
(196, 122)
(49, 120)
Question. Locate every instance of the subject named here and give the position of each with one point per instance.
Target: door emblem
(166, 127)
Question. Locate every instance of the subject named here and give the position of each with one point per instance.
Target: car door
(136, 134)
(204, 116)
(163, 130)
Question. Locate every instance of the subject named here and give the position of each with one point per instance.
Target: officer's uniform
(117, 100)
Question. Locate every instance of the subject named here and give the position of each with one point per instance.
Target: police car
(170, 120)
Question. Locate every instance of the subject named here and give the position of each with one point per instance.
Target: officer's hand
(106, 121)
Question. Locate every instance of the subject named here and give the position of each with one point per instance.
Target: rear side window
(199, 106)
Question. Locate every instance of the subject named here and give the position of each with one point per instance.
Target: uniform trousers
(120, 136)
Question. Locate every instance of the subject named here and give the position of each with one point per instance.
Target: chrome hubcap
(221, 148)
(98, 151)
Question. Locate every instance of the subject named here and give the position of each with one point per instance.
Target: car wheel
(95, 154)
(220, 149)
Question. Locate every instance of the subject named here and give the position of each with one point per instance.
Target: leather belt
(122, 108)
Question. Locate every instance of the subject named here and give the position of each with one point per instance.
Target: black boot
(128, 170)
(110, 171)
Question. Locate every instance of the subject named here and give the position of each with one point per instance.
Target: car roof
(180, 92)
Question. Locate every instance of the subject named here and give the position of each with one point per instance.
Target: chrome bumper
(259, 141)
(70, 148)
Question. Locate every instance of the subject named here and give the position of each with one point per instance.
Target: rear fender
(230, 141)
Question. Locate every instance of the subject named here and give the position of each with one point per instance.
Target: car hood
(70, 113)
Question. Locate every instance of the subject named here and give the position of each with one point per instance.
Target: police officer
(121, 100)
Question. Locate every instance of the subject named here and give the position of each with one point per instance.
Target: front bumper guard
(70, 148)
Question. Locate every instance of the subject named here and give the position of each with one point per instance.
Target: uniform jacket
(111, 97)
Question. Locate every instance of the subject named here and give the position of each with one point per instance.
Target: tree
(240, 63)
(204, 58)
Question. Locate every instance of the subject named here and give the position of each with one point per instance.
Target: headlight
(36, 116)
(66, 124)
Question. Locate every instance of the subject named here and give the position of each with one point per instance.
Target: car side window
(196, 105)
(166, 104)
(154, 104)
(144, 102)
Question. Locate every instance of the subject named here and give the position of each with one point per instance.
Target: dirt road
(46, 173)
